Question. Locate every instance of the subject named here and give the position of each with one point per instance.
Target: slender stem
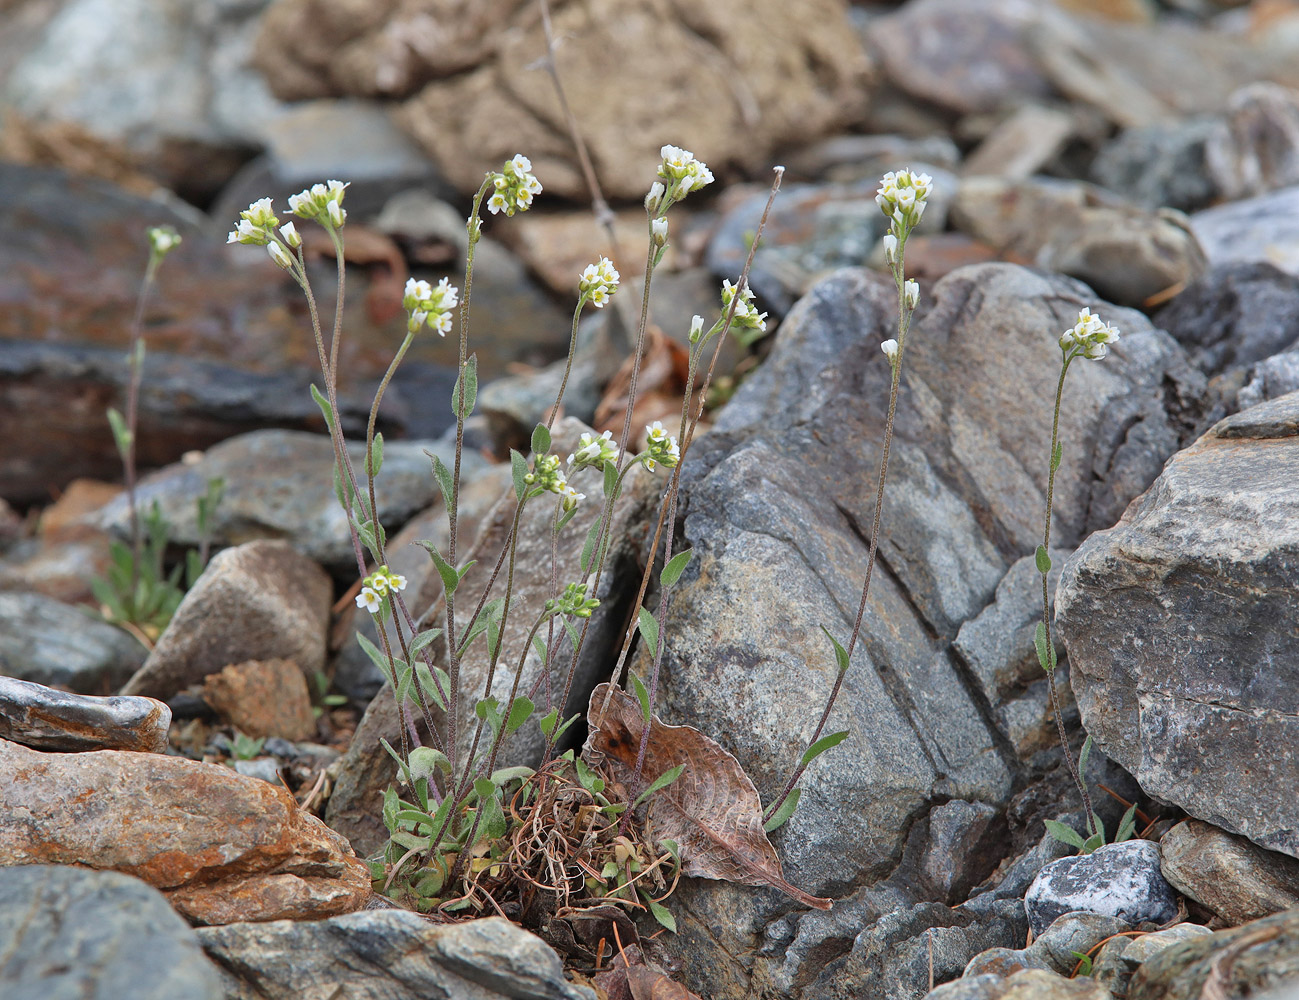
(369, 439)
(568, 365)
(132, 419)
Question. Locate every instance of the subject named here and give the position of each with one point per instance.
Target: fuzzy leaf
(642, 695)
(822, 745)
(469, 376)
(649, 628)
(326, 410)
(840, 654)
(675, 567)
(781, 816)
(375, 459)
(518, 472)
(1065, 834)
(443, 475)
(1043, 561)
(540, 439)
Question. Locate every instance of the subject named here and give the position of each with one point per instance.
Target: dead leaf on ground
(660, 386)
(712, 810)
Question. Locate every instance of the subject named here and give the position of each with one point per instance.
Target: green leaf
(1127, 825)
(1043, 561)
(675, 567)
(540, 439)
(662, 781)
(1064, 834)
(374, 461)
(547, 722)
(443, 475)
(390, 804)
(376, 656)
(518, 471)
(426, 684)
(641, 695)
(1083, 755)
(342, 490)
(1056, 454)
(326, 410)
(121, 433)
(822, 745)
(1045, 653)
(502, 776)
(405, 681)
(422, 639)
(539, 647)
(840, 654)
(662, 914)
(610, 479)
(520, 709)
(401, 767)
(491, 610)
(564, 518)
(649, 628)
(587, 778)
(450, 578)
(1084, 963)
(425, 760)
(492, 824)
(469, 376)
(409, 840)
(781, 816)
(1094, 841)
(489, 710)
(588, 548)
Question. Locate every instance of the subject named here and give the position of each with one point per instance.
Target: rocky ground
(186, 814)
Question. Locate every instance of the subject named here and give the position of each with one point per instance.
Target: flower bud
(891, 249)
(911, 293)
(659, 231)
(655, 197)
(696, 329)
(890, 349)
(279, 255)
(290, 233)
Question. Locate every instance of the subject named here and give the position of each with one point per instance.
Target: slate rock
(1126, 254)
(1189, 656)
(1115, 963)
(1234, 315)
(1053, 948)
(48, 642)
(1264, 228)
(1120, 880)
(1023, 144)
(223, 847)
(1255, 148)
(1160, 165)
(45, 719)
(1270, 379)
(258, 601)
(1230, 876)
(263, 698)
(387, 954)
(279, 484)
(1252, 960)
(966, 841)
(74, 934)
(1030, 984)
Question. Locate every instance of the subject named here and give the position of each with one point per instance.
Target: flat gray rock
(45, 719)
(1118, 880)
(1175, 625)
(1232, 877)
(386, 954)
(74, 934)
(49, 642)
(1264, 228)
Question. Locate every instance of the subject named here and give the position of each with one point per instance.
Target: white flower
(659, 231)
(280, 255)
(890, 349)
(902, 196)
(441, 322)
(302, 204)
(1089, 337)
(163, 239)
(396, 581)
(368, 599)
(655, 197)
(496, 203)
(682, 172)
(248, 233)
(891, 249)
(594, 451)
(260, 213)
(598, 281)
(521, 163)
(746, 315)
(337, 214)
(696, 329)
(569, 496)
(290, 233)
(911, 293)
(660, 446)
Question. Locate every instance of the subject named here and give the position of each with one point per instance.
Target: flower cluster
(547, 475)
(902, 196)
(594, 452)
(660, 447)
(163, 240)
(1089, 337)
(747, 316)
(425, 304)
(514, 187)
(598, 282)
(573, 601)
(256, 227)
(376, 586)
(682, 173)
(321, 202)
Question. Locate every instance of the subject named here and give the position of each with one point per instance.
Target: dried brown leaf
(646, 984)
(712, 810)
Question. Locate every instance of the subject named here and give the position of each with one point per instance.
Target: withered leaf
(646, 984)
(712, 811)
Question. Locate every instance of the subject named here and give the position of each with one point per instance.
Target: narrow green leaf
(662, 914)
(649, 628)
(610, 479)
(1084, 962)
(1083, 756)
(375, 460)
(401, 766)
(425, 679)
(1045, 655)
(781, 816)
(662, 781)
(822, 745)
(675, 567)
(450, 578)
(540, 439)
(539, 647)
(1043, 561)
(326, 410)
(547, 722)
(642, 695)
(564, 518)
(469, 376)
(1064, 834)
(520, 709)
(121, 433)
(502, 776)
(1127, 825)
(1094, 841)
(422, 639)
(588, 549)
(443, 475)
(1057, 454)
(840, 654)
(376, 656)
(518, 471)
(425, 760)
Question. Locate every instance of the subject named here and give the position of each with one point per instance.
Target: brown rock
(220, 845)
(64, 519)
(263, 698)
(258, 601)
(1234, 878)
(46, 719)
(730, 80)
(558, 245)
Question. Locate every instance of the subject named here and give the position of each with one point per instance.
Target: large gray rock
(73, 934)
(387, 955)
(1117, 960)
(45, 719)
(1117, 880)
(280, 484)
(1172, 619)
(1160, 165)
(1028, 984)
(776, 507)
(1255, 149)
(1229, 875)
(1054, 949)
(48, 642)
(258, 601)
(1263, 228)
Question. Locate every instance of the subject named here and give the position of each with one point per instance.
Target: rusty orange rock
(222, 846)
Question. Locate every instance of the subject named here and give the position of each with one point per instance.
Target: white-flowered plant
(376, 586)
(163, 240)
(1089, 338)
(430, 304)
(321, 203)
(513, 187)
(598, 282)
(660, 447)
(749, 325)
(594, 452)
(902, 197)
(681, 173)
